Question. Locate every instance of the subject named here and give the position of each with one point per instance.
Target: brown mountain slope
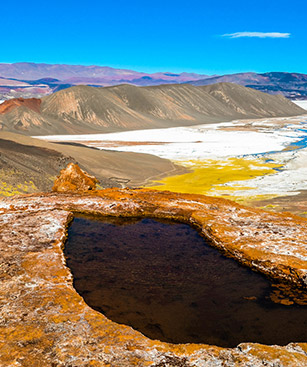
(249, 101)
(291, 85)
(84, 109)
(26, 168)
(30, 165)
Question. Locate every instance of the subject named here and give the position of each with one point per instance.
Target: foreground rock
(44, 322)
(74, 179)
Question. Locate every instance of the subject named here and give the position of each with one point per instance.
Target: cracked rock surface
(44, 322)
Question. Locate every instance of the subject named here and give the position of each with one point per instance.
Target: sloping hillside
(25, 168)
(249, 101)
(29, 165)
(84, 109)
(31, 103)
(291, 85)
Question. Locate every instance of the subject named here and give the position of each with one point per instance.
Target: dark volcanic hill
(84, 109)
(291, 85)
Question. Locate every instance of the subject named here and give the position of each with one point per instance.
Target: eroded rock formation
(44, 322)
(74, 179)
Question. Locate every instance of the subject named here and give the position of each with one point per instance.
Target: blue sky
(194, 36)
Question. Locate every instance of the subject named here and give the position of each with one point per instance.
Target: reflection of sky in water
(298, 140)
(300, 144)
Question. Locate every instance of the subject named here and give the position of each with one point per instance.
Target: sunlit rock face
(44, 322)
(74, 179)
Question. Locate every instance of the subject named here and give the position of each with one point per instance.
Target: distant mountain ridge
(28, 80)
(83, 74)
(291, 85)
(84, 109)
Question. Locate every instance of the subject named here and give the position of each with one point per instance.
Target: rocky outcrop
(74, 179)
(44, 322)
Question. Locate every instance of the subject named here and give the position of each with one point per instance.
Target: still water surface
(163, 279)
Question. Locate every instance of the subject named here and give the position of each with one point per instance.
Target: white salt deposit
(198, 142)
(302, 104)
(272, 139)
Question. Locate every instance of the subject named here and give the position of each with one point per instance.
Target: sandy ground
(294, 204)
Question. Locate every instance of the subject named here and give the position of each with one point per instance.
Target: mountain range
(291, 85)
(85, 109)
(28, 80)
(36, 80)
(32, 71)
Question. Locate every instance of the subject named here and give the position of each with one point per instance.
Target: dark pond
(164, 280)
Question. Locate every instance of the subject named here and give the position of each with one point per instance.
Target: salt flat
(201, 141)
(262, 158)
(302, 104)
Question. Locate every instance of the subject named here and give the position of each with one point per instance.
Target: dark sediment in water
(164, 280)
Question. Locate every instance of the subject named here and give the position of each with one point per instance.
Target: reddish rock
(74, 179)
(31, 103)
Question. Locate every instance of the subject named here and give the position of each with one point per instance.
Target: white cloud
(257, 35)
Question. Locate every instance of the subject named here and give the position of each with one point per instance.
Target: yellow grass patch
(11, 190)
(218, 177)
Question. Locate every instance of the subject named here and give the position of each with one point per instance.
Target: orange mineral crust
(74, 179)
(44, 322)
